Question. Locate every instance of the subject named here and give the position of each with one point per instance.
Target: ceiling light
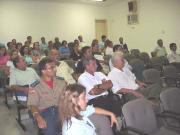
(99, 0)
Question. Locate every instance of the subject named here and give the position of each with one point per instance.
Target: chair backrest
(128, 56)
(145, 57)
(157, 63)
(151, 76)
(137, 68)
(170, 99)
(170, 71)
(36, 68)
(139, 114)
(135, 52)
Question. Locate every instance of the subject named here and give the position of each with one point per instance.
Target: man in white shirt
(21, 77)
(124, 81)
(97, 84)
(81, 42)
(160, 50)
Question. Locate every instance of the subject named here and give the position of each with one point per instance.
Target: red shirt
(49, 83)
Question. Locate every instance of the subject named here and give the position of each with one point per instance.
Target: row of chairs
(140, 118)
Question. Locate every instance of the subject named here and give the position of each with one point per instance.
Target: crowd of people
(61, 98)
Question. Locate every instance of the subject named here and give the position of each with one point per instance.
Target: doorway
(100, 28)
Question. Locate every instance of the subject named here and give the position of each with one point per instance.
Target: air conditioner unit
(132, 18)
(132, 6)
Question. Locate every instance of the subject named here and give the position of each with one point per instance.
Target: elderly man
(96, 84)
(124, 81)
(21, 77)
(44, 97)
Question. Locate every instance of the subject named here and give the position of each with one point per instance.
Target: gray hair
(115, 56)
(86, 61)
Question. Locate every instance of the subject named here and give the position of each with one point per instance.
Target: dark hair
(22, 50)
(116, 47)
(84, 49)
(43, 62)
(3, 46)
(68, 106)
(172, 45)
(103, 36)
(16, 61)
(64, 41)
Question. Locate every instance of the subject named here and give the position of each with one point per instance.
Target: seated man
(63, 70)
(174, 58)
(97, 84)
(160, 50)
(43, 99)
(124, 81)
(21, 77)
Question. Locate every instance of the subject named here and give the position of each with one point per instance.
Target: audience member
(75, 54)
(87, 54)
(22, 76)
(74, 112)
(18, 47)
(36, 54)
(97, 86)
(29, 41)
(26, 53)
(160, 50)
(57, 43)
(43, 46)
(64, 50)
(81, 42)
(124, 45)
(95, 47)
(43, 98)
(108, 47)
(102, 43)
(124, 81)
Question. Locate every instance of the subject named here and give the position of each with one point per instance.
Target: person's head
(103, 38)
(72, 102)
(54, 54)
(47, 67)
(14, 41)
(19, 63)
(117, 48)
(173, 47)
(86, 52)
(108, 43)
(121, 40)
(76, 41)
(64, 43)
(90, 65)
(29, 39)
(36, 46)
(118, 60)
(56, 40)
(76, 47)
(80, 38)
(43, 40)
(25, 50)
(9, 45)
(94, 45)
(160, 42)
(18, 46)
(13, 54)
(3, 51)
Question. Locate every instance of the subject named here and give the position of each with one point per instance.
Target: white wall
(18, 19)
(157, 19)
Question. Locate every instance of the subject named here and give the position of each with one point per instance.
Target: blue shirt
(80, 127)
(64, 51)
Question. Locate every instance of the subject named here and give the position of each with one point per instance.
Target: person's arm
(130, 91)
(100, 88)
(19, 88)
(141, 84)
(108, 113)
(40, 120)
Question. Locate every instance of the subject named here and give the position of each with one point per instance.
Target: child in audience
(74, 112)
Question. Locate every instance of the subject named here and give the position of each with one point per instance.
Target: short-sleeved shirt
(80, 127)
(122, 79)
(45, 97)
(173, 57)
(160, 51)
(89, 81)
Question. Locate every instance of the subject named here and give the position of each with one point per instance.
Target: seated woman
(26, 53)
(74, 112)
(4, 57)
(36, 54)
(64, 50)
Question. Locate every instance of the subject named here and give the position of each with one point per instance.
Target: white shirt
(89, 81)
(80, 127)
(10, 65)
(173, 57)
(161, 51)
(63, 70)
(109, 51)
(22, 78)
(122, 79)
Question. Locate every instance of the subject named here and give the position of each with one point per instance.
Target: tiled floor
(8, 123)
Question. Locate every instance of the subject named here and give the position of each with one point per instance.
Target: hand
(142, 85)
(31, 90)
(106, 84)
(114, 120)
(40, 121)
(137, 94)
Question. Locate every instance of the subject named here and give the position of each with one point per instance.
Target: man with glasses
(44, 96)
